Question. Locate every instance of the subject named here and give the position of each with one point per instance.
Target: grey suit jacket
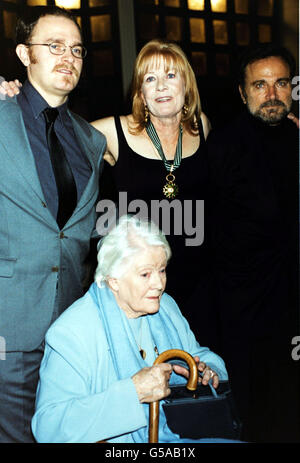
(41, 267)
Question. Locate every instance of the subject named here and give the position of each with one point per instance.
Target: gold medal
(170, 190)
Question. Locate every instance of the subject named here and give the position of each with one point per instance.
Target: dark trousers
(19, 374)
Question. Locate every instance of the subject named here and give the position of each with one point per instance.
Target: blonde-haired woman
(158, 153)
(164, 92)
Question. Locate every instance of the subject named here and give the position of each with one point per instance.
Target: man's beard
(273, 116)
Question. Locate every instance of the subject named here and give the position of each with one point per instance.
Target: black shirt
(32, 105)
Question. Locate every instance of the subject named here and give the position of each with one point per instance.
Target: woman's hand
(10, 88)
(207, 373)
(152, 383)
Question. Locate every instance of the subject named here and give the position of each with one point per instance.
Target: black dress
(143, 179)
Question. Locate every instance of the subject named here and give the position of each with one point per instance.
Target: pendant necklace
(142, 351)
(170, 190)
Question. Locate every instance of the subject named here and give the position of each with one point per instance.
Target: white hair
(130, 236)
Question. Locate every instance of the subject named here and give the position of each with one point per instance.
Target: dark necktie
(66, 187)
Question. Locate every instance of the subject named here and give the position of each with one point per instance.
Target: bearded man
(253, 233)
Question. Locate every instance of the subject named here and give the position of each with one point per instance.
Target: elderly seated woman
(97, 376)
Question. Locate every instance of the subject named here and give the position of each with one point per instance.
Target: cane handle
(191, 385)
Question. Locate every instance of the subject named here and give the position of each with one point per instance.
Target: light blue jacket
(85, 394)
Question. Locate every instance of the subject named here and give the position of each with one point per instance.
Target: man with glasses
(50, 164)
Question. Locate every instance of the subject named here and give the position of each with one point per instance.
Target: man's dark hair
(28, 20)
(262, 52)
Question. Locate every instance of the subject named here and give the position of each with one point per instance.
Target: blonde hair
(174, 58)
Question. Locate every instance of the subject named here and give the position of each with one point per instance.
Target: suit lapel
(17, 145)
(91, 190)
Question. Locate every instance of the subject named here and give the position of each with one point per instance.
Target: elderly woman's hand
(152, 383)
(207, 373)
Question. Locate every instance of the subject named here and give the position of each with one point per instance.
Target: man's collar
(37, 102)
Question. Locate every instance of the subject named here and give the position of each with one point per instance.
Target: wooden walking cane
(191, 386)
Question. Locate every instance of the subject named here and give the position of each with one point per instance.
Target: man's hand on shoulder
(10, 88)
(294, 119)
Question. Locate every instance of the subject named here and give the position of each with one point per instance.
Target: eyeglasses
(78, 51)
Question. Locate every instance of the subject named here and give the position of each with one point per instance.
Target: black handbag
(202, 413)
(195, 411)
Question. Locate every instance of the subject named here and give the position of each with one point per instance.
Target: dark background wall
(212, 33)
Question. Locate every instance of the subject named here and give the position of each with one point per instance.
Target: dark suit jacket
(254, 223)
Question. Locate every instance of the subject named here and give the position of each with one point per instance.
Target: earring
(185, 109)
(146, 114)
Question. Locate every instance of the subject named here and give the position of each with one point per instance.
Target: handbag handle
(191, 386)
